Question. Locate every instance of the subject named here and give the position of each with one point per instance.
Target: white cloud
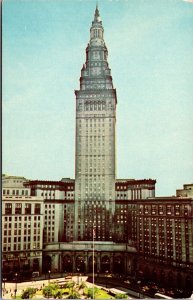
(191, 1)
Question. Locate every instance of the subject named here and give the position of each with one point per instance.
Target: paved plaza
(8, 289)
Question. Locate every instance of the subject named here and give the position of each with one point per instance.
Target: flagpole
(93, 233)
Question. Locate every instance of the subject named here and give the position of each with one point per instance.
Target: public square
(14, 290)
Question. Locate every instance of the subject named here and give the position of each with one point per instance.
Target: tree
(82, 285)
(28, 293)
(73, 295)
(121, 296)
(70, 285)
(58, 294)
(50, 290)
(47, 291)
(90, 292)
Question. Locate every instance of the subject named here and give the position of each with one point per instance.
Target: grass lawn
(101, 294)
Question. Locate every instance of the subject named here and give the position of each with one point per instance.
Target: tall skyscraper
(95, 142)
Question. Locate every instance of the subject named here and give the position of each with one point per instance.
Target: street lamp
(15, 291)
(106, 276)
(78, 270)
(4, 279)
(49, 276)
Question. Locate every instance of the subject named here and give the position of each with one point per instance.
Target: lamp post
(4, 279)
(15, 290)
(93, 237)
(49, 276)
(78, 270)
(106, 276)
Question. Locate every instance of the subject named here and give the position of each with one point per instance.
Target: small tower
(95, 163)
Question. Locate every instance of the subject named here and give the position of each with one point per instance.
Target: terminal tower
(95, 158)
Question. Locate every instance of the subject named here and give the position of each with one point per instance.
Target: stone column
(40, 264)
(73, 262)
(111, 263)
(98, 262)
(86, 261)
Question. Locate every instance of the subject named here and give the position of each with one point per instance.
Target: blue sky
(150, 44)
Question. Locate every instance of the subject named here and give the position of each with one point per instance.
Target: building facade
(22, 227)
(95, 142)
(51, 225)
(165, 240)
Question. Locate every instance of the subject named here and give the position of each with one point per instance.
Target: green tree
(70, 285)
(90, 292)
(121, 296)
(82, 285)
(50, 290)
(73, 295)
(58, 294)
(28, 293)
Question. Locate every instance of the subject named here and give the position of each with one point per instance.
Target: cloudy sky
(150, 45)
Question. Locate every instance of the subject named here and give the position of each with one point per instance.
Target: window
(161, 210)
(37, 209)
(18, 208)
(27, 208)
(169, 210)
(8, 208)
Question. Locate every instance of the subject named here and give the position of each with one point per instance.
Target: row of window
(164, 209)
(25, 208)
(16, 192)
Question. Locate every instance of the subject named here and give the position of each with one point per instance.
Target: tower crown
(96, 30)
(97, 15)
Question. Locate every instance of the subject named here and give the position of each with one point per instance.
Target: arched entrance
(147, 274)
(189, 284)
(170, 279)
(35, 265)
(179, 280)
(47, 264)
(162, 278)
(105, 264)
(154, 275)
(90, 264)
(26, 269)
(16, 267)
(80, 264)
(67, 264)
(118, 265)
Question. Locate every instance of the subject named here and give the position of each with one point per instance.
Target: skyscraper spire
(96, 12)
(97, 18)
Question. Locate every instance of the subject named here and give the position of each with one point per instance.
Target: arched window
(105, 264)
(67, 264)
